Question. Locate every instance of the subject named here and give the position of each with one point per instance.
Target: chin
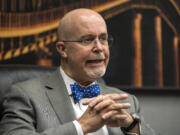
(96, 73)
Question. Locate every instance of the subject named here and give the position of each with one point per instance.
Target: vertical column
(9, 53)
(40, 4)
(36, 37)
(34, 5)
(18, 52)
(2, 49)
(159, 54)
(137, 60)
(22, 5)
(3, 5)
(12, 47)
(20, 42)
(176, 61)
(13, 5)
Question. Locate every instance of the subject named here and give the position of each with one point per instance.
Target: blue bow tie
(79, 92)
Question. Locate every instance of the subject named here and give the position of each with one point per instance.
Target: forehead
(90, 25)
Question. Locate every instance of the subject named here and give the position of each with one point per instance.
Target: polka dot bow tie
(79, 92)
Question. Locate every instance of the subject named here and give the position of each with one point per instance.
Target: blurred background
(145, 53)
(145, 56)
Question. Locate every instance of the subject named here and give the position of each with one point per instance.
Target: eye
(103, 38)
(88, 40)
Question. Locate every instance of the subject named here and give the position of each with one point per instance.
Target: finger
(119, 106)
(96, 100)
(117, 97)
(87, 101)
(109, 114)
(119, 117)
(103, 104)
(113, 96)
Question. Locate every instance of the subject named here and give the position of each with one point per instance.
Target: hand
(114, 114)
(91, 121)
(121, 119)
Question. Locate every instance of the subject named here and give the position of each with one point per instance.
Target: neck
(85, 83)
(82, 82)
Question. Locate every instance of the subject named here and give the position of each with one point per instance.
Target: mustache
(97, 57)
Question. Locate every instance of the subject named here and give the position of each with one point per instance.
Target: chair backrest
(10, 74)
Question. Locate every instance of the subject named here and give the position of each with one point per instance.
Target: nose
(97, 45)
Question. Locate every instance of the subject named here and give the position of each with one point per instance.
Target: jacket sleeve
(145, 128)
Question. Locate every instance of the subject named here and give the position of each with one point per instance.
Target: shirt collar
(68, 80)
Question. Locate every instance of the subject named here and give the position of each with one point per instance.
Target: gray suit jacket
(43, 107)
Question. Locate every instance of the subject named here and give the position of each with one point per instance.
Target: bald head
(71, 22)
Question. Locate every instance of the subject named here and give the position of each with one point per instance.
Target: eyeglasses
(88, 40)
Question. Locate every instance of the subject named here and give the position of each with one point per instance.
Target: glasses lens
(88, 40)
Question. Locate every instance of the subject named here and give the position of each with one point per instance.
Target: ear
(61, 48)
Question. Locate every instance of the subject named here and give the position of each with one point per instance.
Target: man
(53, 106)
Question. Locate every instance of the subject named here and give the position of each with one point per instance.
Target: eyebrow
(89, 35)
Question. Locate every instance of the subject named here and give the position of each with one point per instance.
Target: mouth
(96, 62)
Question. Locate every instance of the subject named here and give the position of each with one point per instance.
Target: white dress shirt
(79, 108)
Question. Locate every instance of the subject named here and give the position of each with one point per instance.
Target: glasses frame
(109, 40)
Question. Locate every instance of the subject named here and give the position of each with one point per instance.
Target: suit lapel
(104, 89)
(107, 90)
(59, 98)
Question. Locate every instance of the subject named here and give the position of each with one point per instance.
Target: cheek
(79, 56)
(83, 57)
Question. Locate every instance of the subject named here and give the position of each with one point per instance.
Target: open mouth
(98, 62)
(94, 61)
